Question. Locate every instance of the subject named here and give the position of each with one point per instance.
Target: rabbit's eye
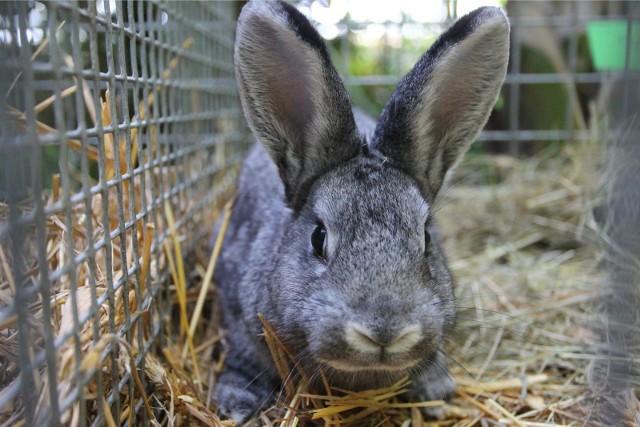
(427, 242)
(319, 241)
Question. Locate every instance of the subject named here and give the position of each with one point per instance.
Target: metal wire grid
(156, 80)
(571, 78)
(514, 132)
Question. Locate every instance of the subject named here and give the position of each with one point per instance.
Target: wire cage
(121, 136)
(120, 127)
(569, 62)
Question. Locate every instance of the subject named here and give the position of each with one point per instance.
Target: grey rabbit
(332, 237)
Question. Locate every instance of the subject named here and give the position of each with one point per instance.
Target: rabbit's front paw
(435, 384)
(237, 400)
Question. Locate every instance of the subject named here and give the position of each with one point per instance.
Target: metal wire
(577, 84)
(142, 112)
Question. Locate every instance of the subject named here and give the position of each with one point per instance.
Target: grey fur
(381, 303)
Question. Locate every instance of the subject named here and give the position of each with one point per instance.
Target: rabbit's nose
(392, 341)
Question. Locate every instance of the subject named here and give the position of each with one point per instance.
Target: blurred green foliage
(381, 60)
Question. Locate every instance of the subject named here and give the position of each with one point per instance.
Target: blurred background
(571, 61)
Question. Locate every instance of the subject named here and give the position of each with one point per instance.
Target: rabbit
(332, 237)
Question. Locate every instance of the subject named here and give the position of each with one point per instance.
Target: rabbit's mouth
(348, 366)
(357, 348)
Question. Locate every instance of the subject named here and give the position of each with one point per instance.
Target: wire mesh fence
(556, 87)
(120, 126)
(121, 136)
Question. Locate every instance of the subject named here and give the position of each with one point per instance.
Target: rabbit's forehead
(370, 191)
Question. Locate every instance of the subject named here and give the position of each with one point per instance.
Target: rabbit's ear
(292, 96)
(441, 105)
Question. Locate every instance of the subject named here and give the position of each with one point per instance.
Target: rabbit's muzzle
(380, 342)
(382, 350)
(365, 347)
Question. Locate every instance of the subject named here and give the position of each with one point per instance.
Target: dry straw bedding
(522, 249)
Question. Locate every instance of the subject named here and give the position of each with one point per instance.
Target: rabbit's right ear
(441, 105)
(292, 96)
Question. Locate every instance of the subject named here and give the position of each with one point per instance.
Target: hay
(527, 287)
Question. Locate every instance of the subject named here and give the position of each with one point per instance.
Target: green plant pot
(608, 44)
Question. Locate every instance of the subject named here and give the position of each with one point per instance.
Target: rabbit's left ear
(293, 98)
(441, 105)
